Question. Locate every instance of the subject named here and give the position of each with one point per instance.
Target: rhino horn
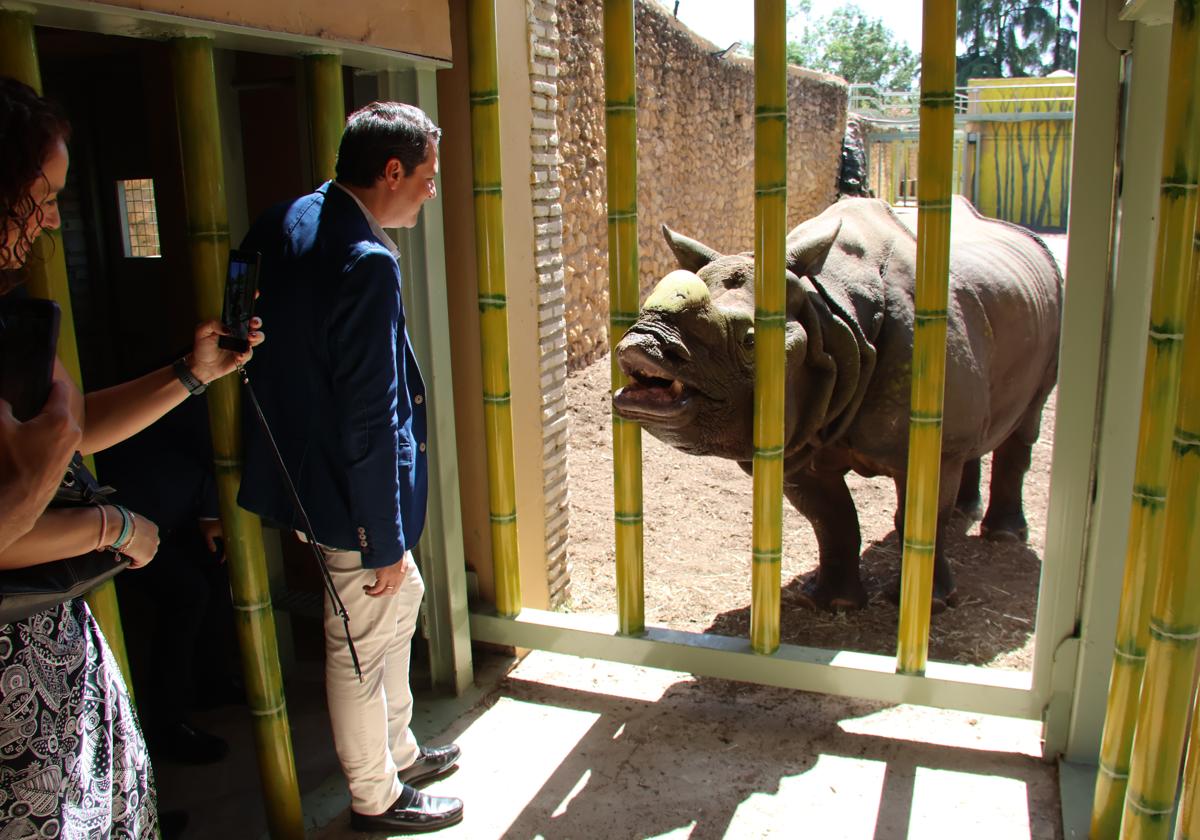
(676, 292)
(809, 245)
(692, 255)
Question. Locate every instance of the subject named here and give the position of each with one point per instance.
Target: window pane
(139, 219)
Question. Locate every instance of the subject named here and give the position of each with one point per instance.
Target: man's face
(43, 193)
(408, 192)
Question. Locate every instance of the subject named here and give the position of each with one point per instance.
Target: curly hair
(29, 128)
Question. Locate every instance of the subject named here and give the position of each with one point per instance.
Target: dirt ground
(697, 548)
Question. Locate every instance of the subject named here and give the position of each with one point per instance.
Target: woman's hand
(142, 547)
(207, 361)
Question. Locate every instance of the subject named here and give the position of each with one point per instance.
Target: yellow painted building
(1021, 167)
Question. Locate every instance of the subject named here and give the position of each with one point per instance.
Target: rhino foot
(1010, 528)
(938, 603)
(833, 597)
(970, 511)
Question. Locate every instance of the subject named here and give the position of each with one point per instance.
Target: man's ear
(393, 173)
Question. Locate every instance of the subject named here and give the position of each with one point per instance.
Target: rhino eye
(748, 338)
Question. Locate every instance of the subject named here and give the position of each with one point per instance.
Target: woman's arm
(68, 532)
(116, 413)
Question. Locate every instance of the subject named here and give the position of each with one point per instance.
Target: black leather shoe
(431, 763)
(412, 812)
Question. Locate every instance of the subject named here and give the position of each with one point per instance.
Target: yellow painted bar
(1174, 266)
(46, 277)
(493, 302)
(934, 166)
(1183, 533)
(326, 112)
(620, 121)
(1168, 682)
(208, 245)
(770, 319)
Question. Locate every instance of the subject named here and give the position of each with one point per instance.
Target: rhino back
(1001, 344)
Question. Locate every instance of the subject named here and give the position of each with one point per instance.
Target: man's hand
(33, 457)
(210, 529)
(389, 579)
(207, 361)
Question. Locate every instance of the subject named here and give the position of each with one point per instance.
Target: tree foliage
(850, 44)
(1012, 38)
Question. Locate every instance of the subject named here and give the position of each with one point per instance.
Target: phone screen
(28, 342)
(241, 284)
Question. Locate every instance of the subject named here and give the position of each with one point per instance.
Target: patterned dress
(73, 763)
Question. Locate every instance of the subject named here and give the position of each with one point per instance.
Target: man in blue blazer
(341, 391)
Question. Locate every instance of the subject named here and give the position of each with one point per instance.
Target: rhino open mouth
(653, 395)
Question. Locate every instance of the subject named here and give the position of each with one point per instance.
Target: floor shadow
(691, 759)
(997, 586)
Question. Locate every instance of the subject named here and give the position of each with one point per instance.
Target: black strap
(338, 607)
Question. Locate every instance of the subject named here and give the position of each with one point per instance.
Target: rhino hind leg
(825, 501)
(969, 504)
(945, 591)
(1005, 518)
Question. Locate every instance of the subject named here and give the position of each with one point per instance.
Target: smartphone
(28, 343)
(241, 284)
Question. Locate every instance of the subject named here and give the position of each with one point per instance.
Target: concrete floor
(572, 748)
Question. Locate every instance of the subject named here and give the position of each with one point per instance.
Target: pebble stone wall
(695, 153)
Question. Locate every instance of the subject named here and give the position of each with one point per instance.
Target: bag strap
(338, 607)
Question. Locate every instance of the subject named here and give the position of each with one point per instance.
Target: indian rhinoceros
(850, 285)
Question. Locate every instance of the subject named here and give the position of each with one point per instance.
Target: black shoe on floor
(431, 763)
(184, 744)
(413, 812)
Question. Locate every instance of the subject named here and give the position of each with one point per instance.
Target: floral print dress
(73, 762)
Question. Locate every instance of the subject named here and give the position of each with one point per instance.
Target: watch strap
(184, 374)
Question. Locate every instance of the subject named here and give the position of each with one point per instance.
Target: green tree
(850, 44)
(1012, 38)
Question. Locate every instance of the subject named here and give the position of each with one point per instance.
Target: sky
(726, 21)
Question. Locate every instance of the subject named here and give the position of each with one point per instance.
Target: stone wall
(542, 18)
(695, 153)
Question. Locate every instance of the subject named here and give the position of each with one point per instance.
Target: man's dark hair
(29, 128)
(378, 132)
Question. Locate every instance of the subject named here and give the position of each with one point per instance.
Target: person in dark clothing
(167, 472)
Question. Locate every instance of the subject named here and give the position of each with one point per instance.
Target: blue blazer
(338, 382)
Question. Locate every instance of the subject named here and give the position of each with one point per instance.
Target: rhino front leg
(969, 503)
(825, 501)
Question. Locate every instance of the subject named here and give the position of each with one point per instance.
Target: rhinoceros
(689, 358)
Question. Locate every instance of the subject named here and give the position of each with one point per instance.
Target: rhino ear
(809, 245)
(691, 254)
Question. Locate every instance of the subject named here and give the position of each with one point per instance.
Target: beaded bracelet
(103, 527)
(126, 527)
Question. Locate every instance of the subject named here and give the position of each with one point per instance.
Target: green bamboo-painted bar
(326, 112)
(770, 296)
(1168, 682)
(620, 99)
(934, 166)
(1182, 539)
(208, 246)
(47, 278)
(1174, 266)
(493, 302)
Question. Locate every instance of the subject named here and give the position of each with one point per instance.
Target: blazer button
(421, 447)
(418, 399)
(362, 531)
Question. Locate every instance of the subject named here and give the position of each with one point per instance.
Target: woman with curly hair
(73, 762)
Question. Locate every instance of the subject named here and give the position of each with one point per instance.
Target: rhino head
(690, 354)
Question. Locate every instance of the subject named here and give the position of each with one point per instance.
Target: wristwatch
(189, 380)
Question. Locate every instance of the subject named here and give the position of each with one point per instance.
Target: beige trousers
(371, 719)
